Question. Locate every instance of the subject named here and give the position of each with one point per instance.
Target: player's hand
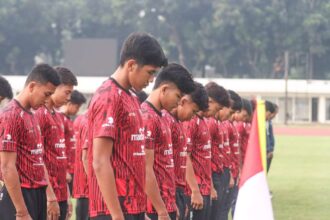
(186, 212)
(231, 182)
(270, 155)
(23, 216)
(214, 194)
(68, 177)
(177, 213)
(164, 217)
(120, 217)
(69, 213)
(27, 217)
(53, 210)
(197, 200)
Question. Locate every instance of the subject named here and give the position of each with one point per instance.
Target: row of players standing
(161, 151)
(37, 146)
(179, 154)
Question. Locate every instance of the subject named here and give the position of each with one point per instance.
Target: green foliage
(239, 38)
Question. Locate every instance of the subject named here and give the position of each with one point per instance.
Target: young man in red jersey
(171, 84)
(217, 158)
(69, 110)
(5, 89)
(116, 153)
(240, 122)
(80, 183)
(188, 106)
(198, 173)
(21, 149)
(225, 151)
(232, 148)
(52, 130)
(5, 92)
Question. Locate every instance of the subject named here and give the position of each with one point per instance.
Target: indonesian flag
(253, 201)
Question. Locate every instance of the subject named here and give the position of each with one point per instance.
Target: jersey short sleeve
(106, 116)
(10, 131)
(150, 127)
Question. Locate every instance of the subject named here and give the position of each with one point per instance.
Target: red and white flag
(253, 201)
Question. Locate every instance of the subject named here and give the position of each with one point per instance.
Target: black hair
(5, 88)
(43, 73)
(200, 97)
(178, 75)
(269, 106)
(77, 98)
(143, 48)
(237, 101)
(253, 104)
(218, 93)
(247, 106)
(142, 95)
(66, 76)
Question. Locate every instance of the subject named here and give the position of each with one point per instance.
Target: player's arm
(102, 152)
(84, 156)
(68, 150)
(69, 213)
(84, 159)
(68, 175)
(53, 208)
(196, 196)
(214, 194)
(213, 132)
(231, 180)
(152, 188)
(12, 183)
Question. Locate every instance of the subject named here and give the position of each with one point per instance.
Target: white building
(308, 101)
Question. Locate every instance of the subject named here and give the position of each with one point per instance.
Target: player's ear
(164, 88)
(183, 100)
(31, 86)
(131, 65)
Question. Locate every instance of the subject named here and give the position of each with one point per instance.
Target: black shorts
(140, 216)
(154, 216)
(35, 201)
(63, 209)
(202, 214)
(220, 183)
(70, 184)
(82, 209)
(181, 203)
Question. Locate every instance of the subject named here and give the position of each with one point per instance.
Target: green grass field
(300, 178)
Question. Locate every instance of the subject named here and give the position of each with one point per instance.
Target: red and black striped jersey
(200, 152)
(76, 122)
(179, 142)
(115, 113)
(233, 138)
(52, 130)
(158, 138)
(241, 128)
(225, 147)
(20, 133)
(80, 183)
(216, 145)
(70, 142)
